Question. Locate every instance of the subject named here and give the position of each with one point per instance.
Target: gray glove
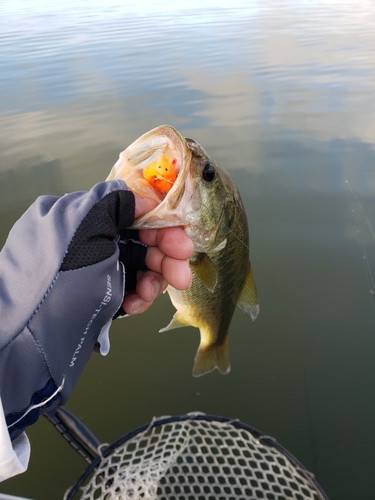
(62, 280)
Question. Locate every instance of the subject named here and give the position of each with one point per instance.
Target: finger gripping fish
(203, 199)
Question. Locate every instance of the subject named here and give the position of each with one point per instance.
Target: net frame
(169, 476)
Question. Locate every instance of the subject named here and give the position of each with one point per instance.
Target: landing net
(196, 456)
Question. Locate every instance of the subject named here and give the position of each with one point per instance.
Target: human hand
(64, 270)
(167, 260)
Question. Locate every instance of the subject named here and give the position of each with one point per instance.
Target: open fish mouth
(157, 166)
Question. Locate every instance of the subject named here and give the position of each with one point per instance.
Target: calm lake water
(281, 93)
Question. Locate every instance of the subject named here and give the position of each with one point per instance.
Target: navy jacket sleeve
(61, 282)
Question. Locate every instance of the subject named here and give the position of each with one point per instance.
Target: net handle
(76, 433)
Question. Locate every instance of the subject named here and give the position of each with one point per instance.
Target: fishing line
(281, 278)
(286, 282)
(278, 274)
(362, 209)
(370, 278)
(208, 208)
(366, 263)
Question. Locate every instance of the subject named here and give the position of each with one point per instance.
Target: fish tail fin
(209, 358)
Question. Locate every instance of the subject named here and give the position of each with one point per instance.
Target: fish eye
(208, 172)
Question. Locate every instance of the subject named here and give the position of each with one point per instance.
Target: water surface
(281, 94)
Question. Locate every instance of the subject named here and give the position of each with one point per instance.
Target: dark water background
(281, 93)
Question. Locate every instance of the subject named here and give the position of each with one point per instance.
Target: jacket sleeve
(61, 282)
(14, 456)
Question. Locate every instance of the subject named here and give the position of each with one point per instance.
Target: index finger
(172, 241)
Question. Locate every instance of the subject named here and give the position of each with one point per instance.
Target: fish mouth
(175, 192)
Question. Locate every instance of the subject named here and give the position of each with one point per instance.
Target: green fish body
(206, 202)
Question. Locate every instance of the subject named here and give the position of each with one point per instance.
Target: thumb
(143, 205)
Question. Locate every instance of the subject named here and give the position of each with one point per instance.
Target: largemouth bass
(204, 200)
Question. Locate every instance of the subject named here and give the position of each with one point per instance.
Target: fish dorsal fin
(248, 300)
(176, 322)
(205, 270)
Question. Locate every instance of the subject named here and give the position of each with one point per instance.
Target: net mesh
(199, 459)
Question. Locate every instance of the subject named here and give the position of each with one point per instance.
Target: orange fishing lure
(161, 174)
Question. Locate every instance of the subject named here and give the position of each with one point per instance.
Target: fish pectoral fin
(205, 270)
(176, 322)
(248, 300)
(209, 358)
(220, 246)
